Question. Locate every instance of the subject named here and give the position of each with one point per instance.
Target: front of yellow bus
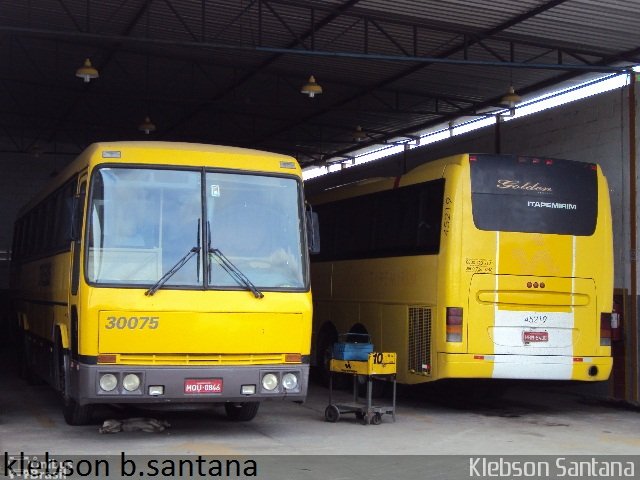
(196, 284)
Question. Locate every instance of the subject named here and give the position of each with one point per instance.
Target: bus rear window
(533, 195)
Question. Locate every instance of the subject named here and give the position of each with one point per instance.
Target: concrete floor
(530, 419)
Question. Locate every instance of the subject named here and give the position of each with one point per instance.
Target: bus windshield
(143, 221)
(533, 195)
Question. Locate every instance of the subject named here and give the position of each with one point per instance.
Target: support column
(632, 317)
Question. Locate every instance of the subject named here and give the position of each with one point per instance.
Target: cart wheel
(376, 419)
(332, 414)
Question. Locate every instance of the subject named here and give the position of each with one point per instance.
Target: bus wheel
(378, 387)
(76, 414)
(25, 370)
(21, 356)
(324, 348)
(241, 411)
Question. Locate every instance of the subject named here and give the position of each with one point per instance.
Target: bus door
(76, 262)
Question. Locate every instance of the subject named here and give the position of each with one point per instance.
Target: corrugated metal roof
(230, 72)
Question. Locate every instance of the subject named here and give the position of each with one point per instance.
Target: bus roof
(432, 169)
(164, 153)
(429, 170)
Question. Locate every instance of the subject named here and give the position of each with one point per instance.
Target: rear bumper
(85, 383)
(526, 367)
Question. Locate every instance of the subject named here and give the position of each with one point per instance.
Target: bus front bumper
(526, 367)
(169, 384)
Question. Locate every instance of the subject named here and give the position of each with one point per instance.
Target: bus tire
(76, 414)
(25, 370)
(58, 362)
(241, 411)
(21, 354)
(324, 351)
(378, 387)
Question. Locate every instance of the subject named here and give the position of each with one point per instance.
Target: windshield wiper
(234, 272)
(198, 259)
(179, 264)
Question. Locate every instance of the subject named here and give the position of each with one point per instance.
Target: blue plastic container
(353, 350)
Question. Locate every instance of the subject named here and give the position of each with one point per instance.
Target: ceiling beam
(246, 77)
(419, 66)
(489, 103)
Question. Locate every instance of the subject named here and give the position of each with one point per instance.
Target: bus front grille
(199, 359)
(419, 357)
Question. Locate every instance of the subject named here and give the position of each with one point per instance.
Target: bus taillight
(605, 329)
(454, 324)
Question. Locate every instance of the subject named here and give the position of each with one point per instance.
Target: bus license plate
(530, 337)
(203, 385)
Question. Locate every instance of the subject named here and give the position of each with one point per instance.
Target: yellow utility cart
(382, 366)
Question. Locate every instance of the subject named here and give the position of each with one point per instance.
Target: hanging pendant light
(147, 126)
(510, 98)
(359, 134)
(87, 71)
(311, 88)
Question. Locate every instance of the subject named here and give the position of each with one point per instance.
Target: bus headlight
(269, 382)
(108, 382)
(131, 382)
(289, 381)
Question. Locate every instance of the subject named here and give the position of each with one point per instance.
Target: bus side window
(65, 214)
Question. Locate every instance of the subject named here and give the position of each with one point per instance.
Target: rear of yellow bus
(194, 281)
(533, 286)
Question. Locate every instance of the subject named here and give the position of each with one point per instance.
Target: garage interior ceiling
(230, 72)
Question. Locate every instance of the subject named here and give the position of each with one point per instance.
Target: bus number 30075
(132, 322)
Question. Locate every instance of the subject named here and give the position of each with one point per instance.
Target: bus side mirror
(313, 231)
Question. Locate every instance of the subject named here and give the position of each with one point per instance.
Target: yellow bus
(162, 273)
(472, 266)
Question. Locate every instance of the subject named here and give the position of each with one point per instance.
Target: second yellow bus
(472, 266)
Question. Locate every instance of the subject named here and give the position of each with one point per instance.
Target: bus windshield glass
(143, 221)
(533, 195)
(256, 222)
